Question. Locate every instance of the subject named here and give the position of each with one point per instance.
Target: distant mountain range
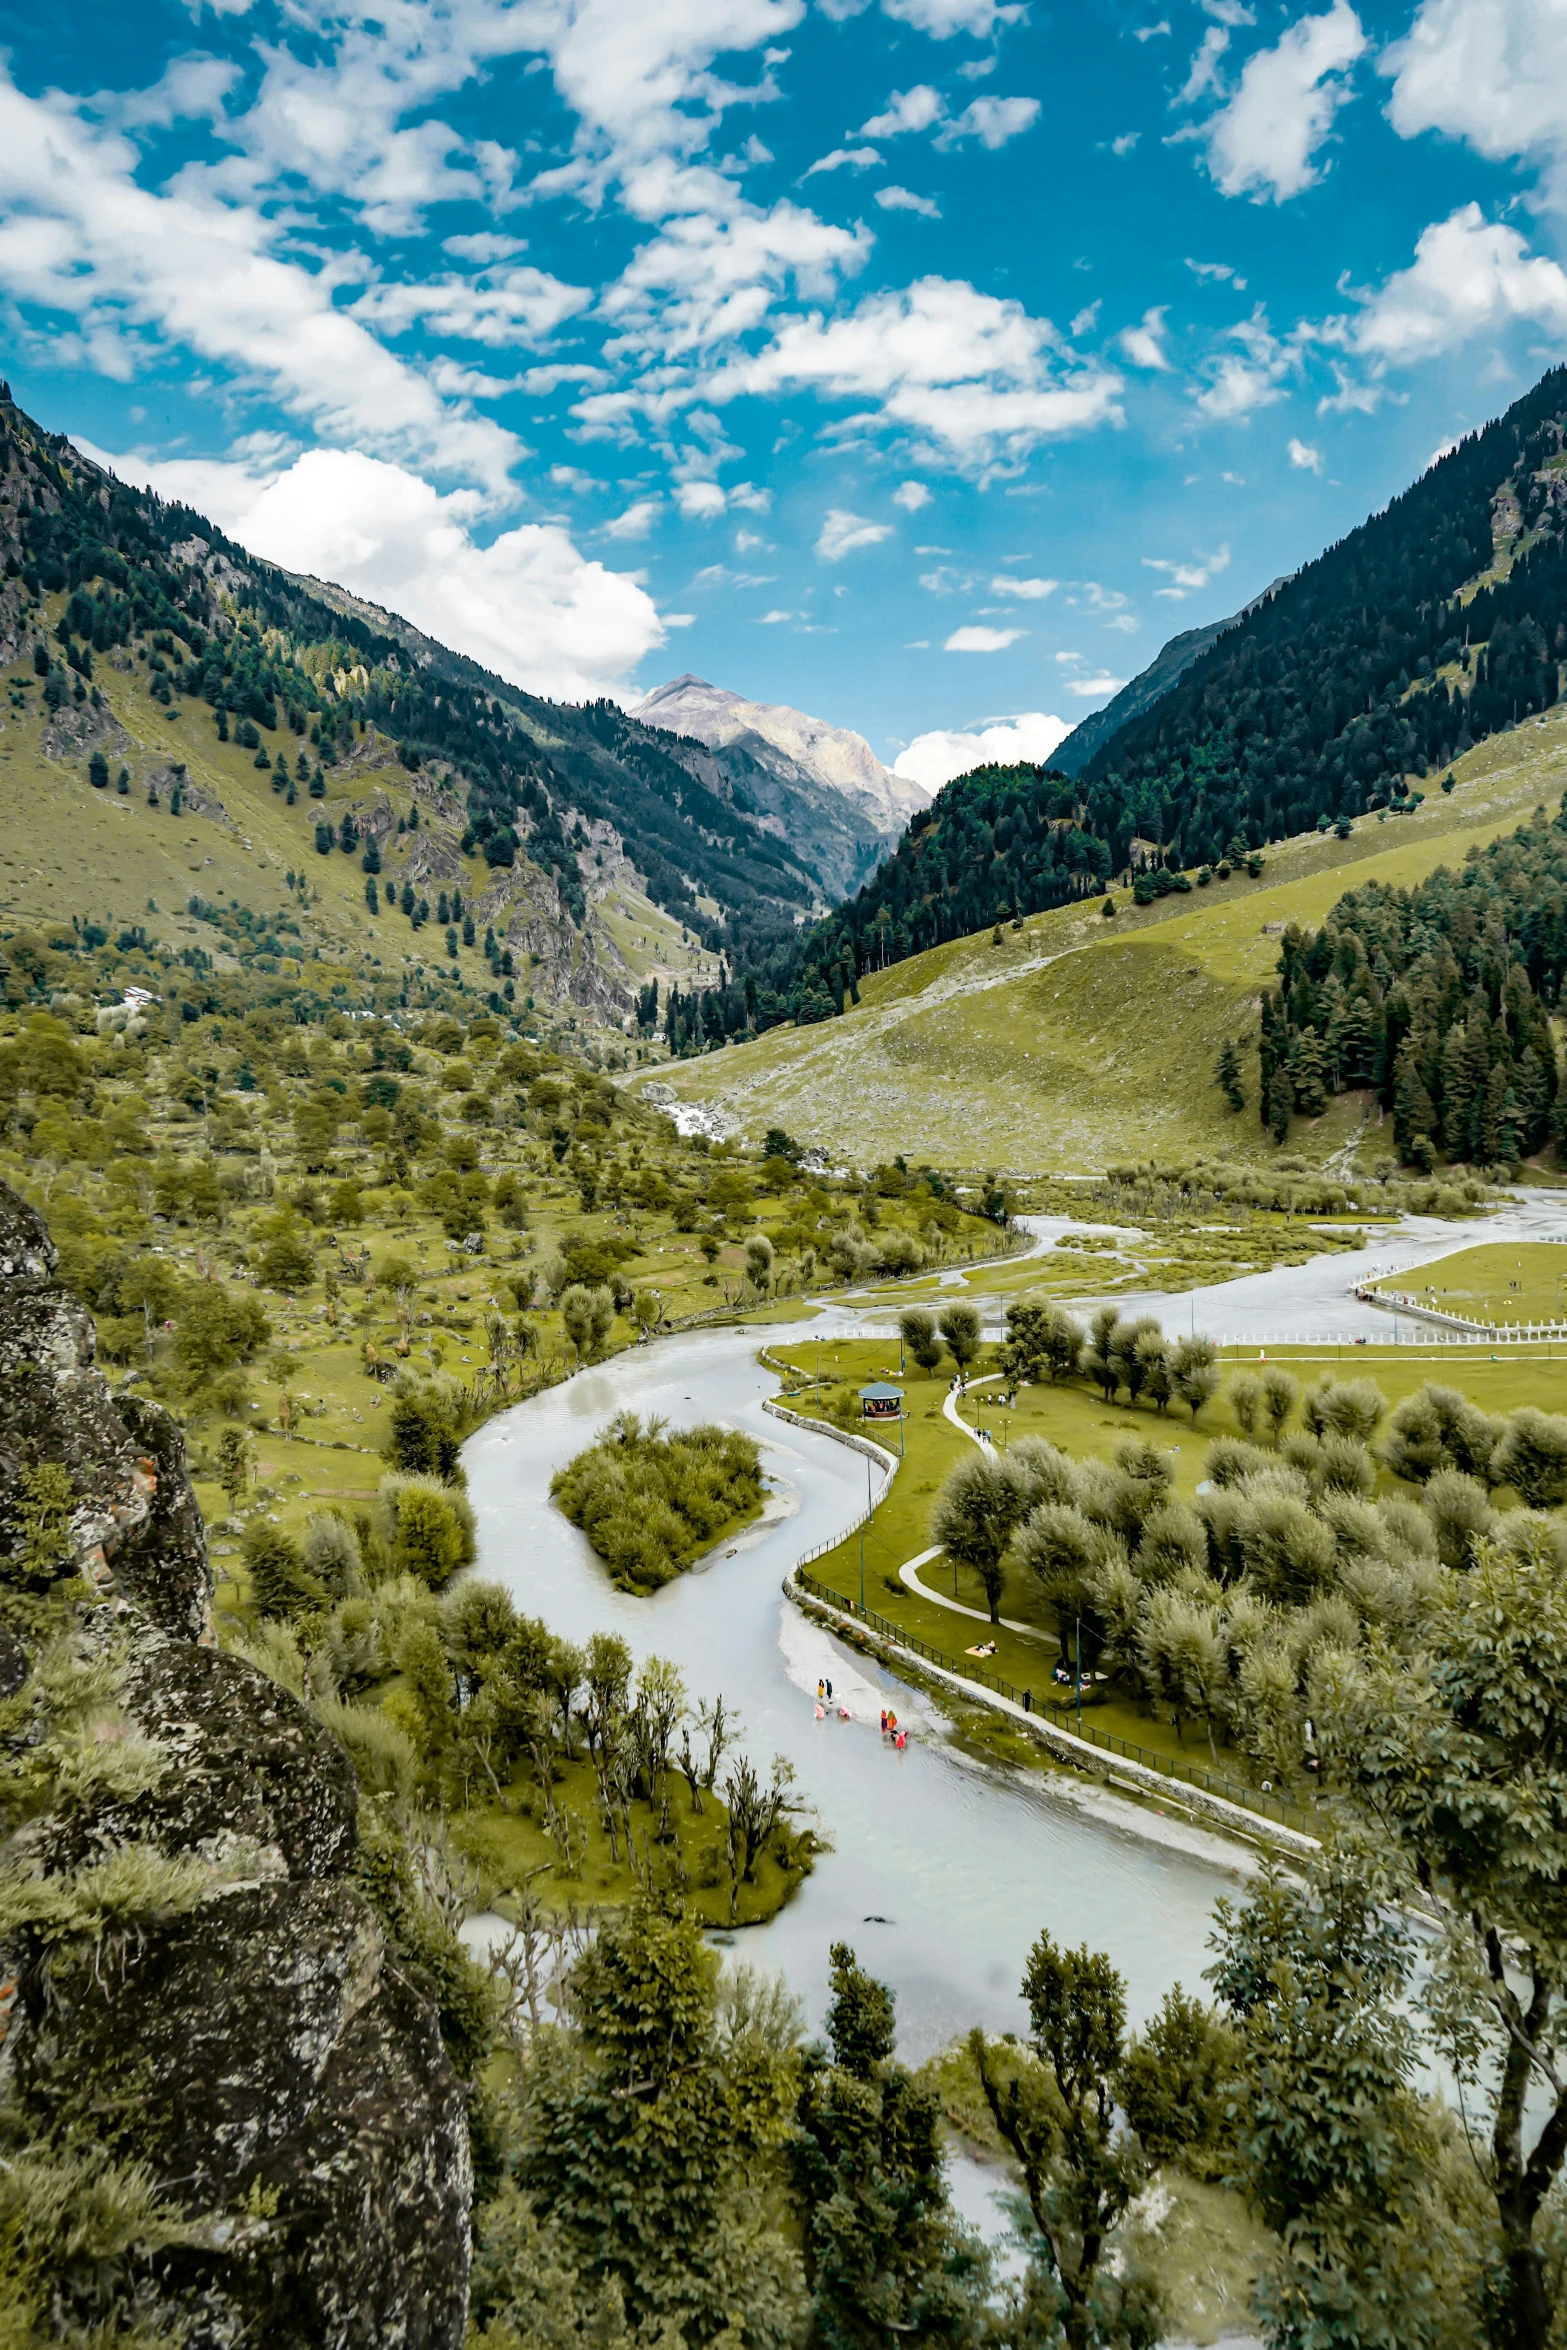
(798, 755)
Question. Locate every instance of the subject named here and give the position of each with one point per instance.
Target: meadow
(1075, 1041)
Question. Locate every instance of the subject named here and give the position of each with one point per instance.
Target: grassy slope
(1077, 1041)
(66, 849)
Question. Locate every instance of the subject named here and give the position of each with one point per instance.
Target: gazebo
(881, 1402)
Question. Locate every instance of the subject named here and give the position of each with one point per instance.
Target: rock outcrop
(259, 2045)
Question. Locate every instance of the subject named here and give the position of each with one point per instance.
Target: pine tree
(1227, 1075)
(1280, 1102)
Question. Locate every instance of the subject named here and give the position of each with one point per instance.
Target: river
(942, 1870)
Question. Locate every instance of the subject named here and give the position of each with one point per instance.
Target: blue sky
(923, 363)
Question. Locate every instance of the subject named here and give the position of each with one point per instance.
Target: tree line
(1438, 998)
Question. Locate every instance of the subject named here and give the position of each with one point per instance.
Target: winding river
(942, 1870)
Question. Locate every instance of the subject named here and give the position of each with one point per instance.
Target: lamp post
(1078, 1656)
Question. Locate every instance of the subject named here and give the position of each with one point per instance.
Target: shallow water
(942, 1872)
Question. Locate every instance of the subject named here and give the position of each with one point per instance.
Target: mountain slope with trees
(104, 583)
(1439, 622)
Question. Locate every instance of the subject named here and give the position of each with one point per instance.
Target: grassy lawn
(1078, 1421)
(1511, 1281)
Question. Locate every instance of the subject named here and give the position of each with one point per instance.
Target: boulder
(258, 2041)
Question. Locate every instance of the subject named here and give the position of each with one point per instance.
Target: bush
(281, 1585)
(1532, 1458)
(430, 1529)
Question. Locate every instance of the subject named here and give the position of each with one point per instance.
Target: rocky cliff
(202, 2016)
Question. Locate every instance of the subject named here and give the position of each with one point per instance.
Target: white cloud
(905, 110)
(637, 520)
(1203, 75)
(485, 248)
(993, 121)
(1186, 578)
(1125, 143)
(1027, 591)
(934, 759)
(1262, 142)
(700, 501)
(140, 271)
(911, 496)
(1085, 320)
(843, 532)
(710, 276)
(1219, 271)
(905, 200)
(1469, 276)
(1303, 457)
(771, 619)
(982, 640)
(942, 18)
(1151, 32)
(1144, 345)
(541, 381)
(1095, 689)
(1492, 72)
(972, 375)
(527, 605)
(1250, 375)
(857, 159)
(514, 306)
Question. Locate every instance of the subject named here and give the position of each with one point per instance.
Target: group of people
(825, 1703)
(824, 1699)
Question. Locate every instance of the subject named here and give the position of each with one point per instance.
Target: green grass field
(1079, 1422)
(1511, 1281)
(1077, 1041)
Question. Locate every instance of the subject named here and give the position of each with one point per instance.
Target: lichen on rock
(207, 2029)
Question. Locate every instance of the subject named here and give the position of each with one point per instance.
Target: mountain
(1146, 688)
(1439, 621)
(789, 744)
(595, 852)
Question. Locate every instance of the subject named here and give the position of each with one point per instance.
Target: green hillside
(184, 722)
(1078, 1041)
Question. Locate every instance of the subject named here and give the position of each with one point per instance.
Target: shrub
(430, 1528)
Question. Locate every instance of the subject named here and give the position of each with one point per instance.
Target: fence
(1253, 1799)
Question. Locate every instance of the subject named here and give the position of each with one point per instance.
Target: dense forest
(1438, 997)
(265, 653)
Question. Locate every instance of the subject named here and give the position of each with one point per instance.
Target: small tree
(1532, 1458)
(1227, 1075)
(587, 1317)
(976, 1512)
(917, 1328)
(1279, 1391)
(759, 1261)
(234, 1458)
(963, 1331)
(1056, 2104)
(886, 2258)
(1194, 1372)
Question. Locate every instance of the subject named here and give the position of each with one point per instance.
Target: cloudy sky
(923, 363)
